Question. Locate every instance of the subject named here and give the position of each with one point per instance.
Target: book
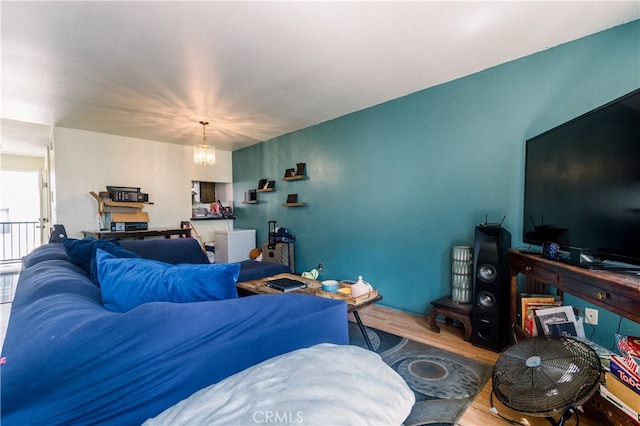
(618, 367)
(607, 395)
(603, 353)
(285, 284)
(560, 314)
(629, 348)
(560, 329)
(530, 324)
(526, 299)
(622, 392)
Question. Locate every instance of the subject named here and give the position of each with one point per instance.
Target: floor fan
(546, 377)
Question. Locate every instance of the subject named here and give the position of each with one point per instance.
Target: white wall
(88, 161)
(19, 162)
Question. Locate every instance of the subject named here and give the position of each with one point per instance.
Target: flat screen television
(582, 183)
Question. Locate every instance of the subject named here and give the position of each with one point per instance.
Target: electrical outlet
(591, 316)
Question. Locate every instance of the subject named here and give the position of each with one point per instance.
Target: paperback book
(629, 348)
(559, 321)
(606, 394)
(528, 304)
(619, 368)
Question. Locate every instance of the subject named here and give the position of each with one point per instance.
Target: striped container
(461, 266)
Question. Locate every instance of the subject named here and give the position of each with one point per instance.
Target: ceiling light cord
(204, 133)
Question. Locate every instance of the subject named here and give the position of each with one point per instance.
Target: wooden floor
(451, 338)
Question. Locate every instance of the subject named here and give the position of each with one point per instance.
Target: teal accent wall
(391, 188)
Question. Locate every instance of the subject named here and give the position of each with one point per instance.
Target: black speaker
(491, 299)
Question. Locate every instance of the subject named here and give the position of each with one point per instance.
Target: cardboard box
(129, 217)
(121, 215)
(108, 206)
(121, 207)
(127, 221)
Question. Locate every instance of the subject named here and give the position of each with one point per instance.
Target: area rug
(444, 383)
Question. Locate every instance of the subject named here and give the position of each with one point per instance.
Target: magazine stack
(622, 381)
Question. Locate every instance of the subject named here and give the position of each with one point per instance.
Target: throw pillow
(80, 252)
(111, 247)
(127, 283)
(83, 252)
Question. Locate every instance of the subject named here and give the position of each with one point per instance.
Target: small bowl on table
(330, 286)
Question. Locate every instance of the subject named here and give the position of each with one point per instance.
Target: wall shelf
(214, 218)
(294, 177)
(251, 202)
(293, 174)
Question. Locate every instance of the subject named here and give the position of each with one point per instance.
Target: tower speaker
(491, 300)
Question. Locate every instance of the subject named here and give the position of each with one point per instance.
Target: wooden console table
(139, 235)
(618, 292)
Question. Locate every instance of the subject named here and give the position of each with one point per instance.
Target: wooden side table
(259, 286)
(450, 311)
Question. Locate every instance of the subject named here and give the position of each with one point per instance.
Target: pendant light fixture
(204, 155)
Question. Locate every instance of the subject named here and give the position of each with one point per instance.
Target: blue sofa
(69, 360)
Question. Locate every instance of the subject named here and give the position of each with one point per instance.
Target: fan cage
(544, 376)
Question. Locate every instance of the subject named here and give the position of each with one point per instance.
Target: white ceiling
(256, 70)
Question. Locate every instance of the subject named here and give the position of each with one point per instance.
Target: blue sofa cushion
(79, 252)
(112, 248)
(83, 253)
(128, 283)
(52, 251)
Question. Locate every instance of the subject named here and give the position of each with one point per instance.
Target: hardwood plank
(450, 338)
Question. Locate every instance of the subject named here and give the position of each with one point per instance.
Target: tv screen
(582, 183)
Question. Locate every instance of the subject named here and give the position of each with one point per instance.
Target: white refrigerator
(234, 245)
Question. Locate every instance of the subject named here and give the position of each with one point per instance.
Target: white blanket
(322, 385)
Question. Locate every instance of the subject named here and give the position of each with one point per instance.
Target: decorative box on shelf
(265, 185)
(295, 174)
(250, 197)
(292, 201)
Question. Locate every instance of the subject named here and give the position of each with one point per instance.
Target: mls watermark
(278, 417)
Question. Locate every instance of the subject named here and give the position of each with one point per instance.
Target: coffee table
(314, 287)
